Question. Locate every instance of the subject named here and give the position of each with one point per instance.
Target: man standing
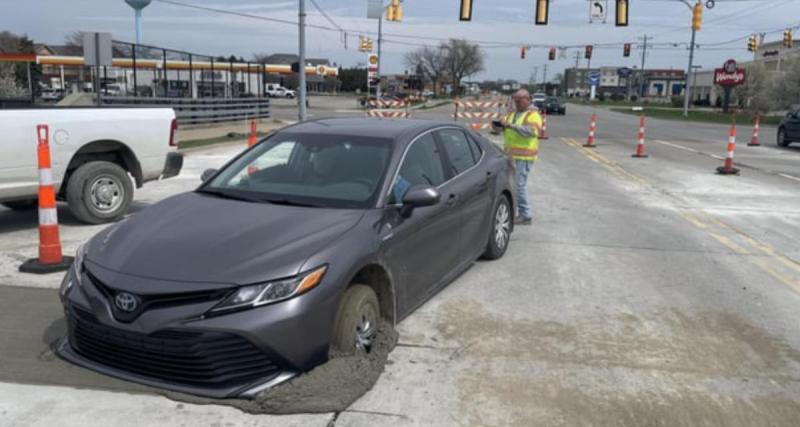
(521, 140)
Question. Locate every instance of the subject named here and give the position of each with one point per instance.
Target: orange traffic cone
(756, 127)
(253, 138)
(50, 256)
(544, 125)
(727, 168)
(592, 128)
(640, 146)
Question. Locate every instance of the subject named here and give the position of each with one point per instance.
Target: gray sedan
(302, 244)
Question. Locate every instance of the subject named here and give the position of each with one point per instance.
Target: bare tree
(74, 38)
(755, 94)
(463, 59)
(428, 61)
(786, 87)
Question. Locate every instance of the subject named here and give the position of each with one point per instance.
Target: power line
(322, 12)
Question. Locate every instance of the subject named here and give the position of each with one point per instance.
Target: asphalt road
(647, 292)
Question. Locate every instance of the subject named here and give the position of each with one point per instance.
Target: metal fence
(199, 111)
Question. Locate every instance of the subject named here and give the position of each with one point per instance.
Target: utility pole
(535, 75)
(641, 72)
(301, 96)
(544, 79)
(380, 36)
(578, 83)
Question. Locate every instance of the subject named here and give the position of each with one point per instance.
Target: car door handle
(452, 199)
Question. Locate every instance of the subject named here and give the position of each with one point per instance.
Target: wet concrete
(330, 387)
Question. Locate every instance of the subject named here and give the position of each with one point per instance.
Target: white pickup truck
(97, 156)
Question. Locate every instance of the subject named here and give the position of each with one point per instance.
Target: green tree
(353, 78)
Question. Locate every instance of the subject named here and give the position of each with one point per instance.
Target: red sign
(729, 74)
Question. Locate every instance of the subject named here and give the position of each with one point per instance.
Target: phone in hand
(497, 123)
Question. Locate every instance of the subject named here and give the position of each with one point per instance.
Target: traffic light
(787, 39)
(622, 13)
(752, 44)
(588, 53)
(626, 50)
(394, 12)
(466, 10)
(542, 11)
(522, 52)
(697, 16)
(552, 54)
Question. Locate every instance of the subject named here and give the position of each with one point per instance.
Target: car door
(423, 246)
(793, 126)
(469, 179)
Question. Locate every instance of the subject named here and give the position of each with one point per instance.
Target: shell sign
(321, 70)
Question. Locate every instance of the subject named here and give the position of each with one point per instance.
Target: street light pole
(687, 91)
(301, 96)
(380, 35)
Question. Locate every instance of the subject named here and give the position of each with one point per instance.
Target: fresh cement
(330, 387)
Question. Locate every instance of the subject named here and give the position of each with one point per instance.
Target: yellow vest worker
(521, 140)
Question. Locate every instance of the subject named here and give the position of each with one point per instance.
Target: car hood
(195, 237)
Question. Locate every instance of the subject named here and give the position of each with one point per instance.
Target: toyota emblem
(126, 302)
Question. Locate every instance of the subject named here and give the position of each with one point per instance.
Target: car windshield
(332, 171)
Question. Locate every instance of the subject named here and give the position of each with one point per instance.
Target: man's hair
(521, 92)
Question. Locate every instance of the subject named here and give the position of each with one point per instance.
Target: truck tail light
(173, 142)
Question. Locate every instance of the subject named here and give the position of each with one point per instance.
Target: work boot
(521, 220)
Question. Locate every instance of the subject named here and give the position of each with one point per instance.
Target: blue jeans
(523, 168)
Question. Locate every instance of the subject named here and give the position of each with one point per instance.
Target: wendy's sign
(729, 74)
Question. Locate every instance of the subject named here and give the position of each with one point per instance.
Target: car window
(337, 171)
(458, 149)
(422, 165)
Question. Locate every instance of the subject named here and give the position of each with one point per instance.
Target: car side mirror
(420, 195)
(207, 174)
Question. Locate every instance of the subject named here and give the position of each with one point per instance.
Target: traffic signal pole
(301, 94)
(687, 90)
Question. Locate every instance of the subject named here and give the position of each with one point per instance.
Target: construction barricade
(479, 114)
(388, 109)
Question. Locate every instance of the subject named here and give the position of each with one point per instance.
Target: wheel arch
(106, 150)
(377, 277)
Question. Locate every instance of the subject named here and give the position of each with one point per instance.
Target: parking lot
(647, 292)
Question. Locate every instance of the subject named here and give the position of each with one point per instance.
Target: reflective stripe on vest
(521, 147)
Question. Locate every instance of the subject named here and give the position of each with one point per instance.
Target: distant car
(52, 95)
(278, 91)
(553, 105)
(427, 93)
(789, 128)
(538, 100)
(302, 244)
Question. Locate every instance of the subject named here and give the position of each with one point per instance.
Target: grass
(700, 116)
(193, 143)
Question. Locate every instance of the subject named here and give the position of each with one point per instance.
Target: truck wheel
(21, 205)
(99, 192)
(357, 321)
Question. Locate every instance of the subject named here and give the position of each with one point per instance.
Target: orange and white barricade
(388, 109)
(479, 114)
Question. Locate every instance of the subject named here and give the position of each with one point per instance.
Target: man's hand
(505, 124)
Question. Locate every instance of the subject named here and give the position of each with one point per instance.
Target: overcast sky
(494, 21)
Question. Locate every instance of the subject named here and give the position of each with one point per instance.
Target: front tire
(99, 192)
(500, 233)
(357, 321)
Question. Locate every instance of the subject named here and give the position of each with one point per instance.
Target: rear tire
(99, 192)
(21, 205)
(357, 321)
(500, 233)
(781, 139)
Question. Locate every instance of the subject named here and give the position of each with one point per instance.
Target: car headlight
(73, 275)
(271, 292)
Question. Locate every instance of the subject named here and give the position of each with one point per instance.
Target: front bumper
(173, 165)
(176, 348)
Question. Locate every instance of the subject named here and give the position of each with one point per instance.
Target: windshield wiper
(226, 195)
(287, 202)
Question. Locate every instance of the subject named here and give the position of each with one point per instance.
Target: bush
(677, 101)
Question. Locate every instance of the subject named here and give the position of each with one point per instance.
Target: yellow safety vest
(522, 147)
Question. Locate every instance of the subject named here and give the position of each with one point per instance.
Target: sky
(501, 26)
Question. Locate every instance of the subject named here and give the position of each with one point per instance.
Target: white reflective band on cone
(48, 216)
(46, 176)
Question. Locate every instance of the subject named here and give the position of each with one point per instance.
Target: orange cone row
(592, 129)
(544, 124)
(51, 258)
(727, 168)
(640, 146)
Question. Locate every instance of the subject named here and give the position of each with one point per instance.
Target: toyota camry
(302, 244)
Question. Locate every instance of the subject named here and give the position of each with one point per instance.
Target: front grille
(197, 358)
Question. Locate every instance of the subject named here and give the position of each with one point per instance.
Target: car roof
(396, 129)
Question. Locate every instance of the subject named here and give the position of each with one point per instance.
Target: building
(774, 54)
(658, 83)
(314, 83)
